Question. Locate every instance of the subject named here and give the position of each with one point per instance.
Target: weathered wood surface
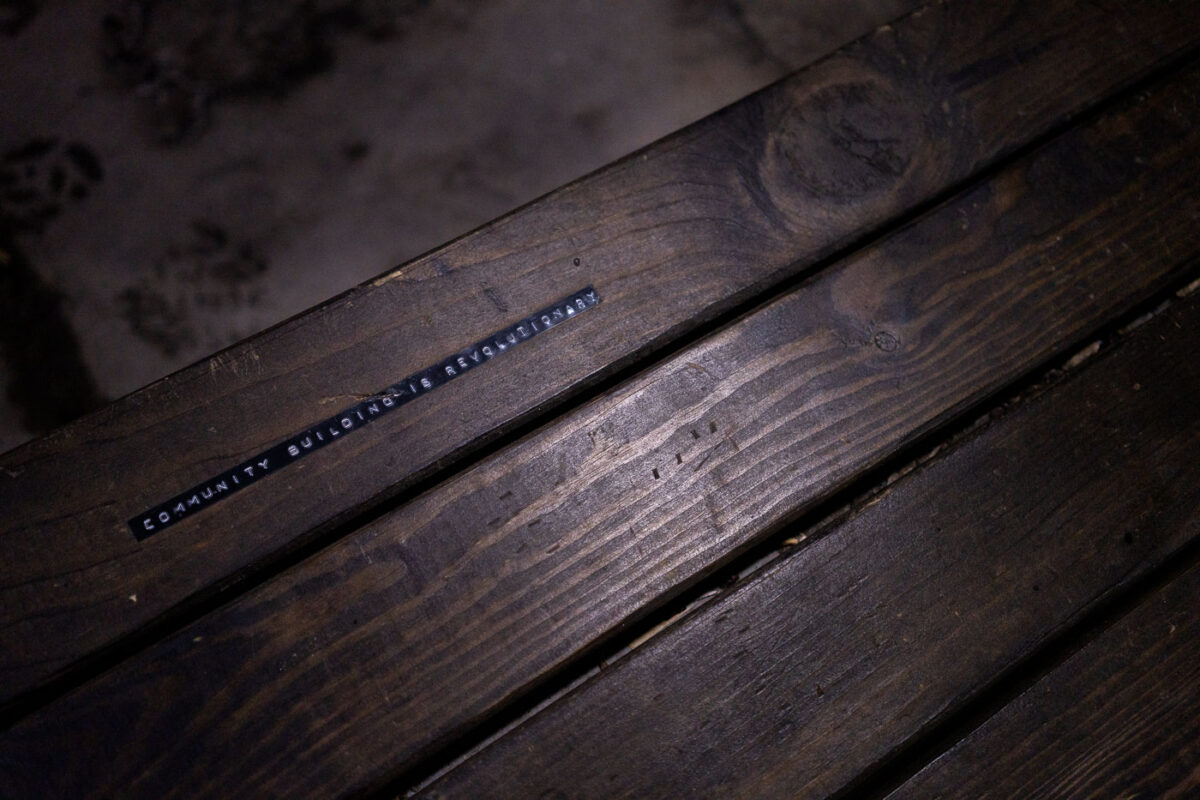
(823, 665)
(1121, 718)
(670, 237)
(355, 662)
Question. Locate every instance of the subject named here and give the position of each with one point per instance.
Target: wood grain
(360, 659)
(823, 665)
(1121, 718)
(670, 237)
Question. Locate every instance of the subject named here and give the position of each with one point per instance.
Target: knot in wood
(844, 142)
(886, 341)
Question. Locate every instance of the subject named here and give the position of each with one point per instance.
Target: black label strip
(356, 416)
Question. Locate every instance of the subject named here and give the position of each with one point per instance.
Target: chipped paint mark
(1191, 288)
(1082, 356)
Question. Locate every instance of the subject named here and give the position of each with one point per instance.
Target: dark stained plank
(358, 660)
(823, 665)
(669, 237)
(1121, 718)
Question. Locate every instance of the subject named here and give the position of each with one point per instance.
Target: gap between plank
(937, 738)
(653, 353)
(788, 537)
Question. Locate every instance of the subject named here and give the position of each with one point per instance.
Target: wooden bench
(843, 443)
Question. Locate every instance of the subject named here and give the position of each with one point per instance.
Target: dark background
(178, 174)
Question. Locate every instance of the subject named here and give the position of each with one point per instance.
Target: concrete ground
(178, 174)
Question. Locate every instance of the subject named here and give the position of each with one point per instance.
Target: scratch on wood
(494, 296)
(388, 277)
(708, 455)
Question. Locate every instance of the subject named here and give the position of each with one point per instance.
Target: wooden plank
(1121, 718)
(823, 665)
(360, 659)
(669, 237)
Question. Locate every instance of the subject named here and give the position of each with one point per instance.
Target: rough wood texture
(670, 237)
(823, 665)
(360, 658)
(1121, 718)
